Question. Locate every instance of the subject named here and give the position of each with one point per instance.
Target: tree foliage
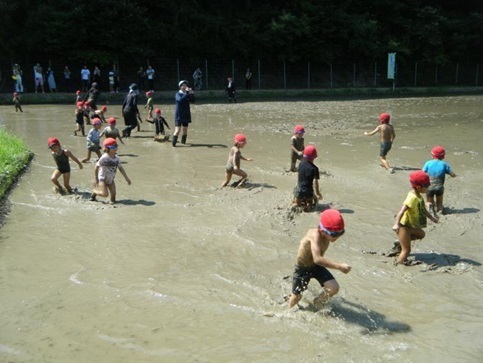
(322, 30)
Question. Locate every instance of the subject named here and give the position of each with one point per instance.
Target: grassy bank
(218, 96)
(14, 158)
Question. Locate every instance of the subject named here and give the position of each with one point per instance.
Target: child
(100, 114)
(311, 263)
(388, 135)
(78, 97)
(61, 157)
(159, 122)
(79, 118)
(233, 163)
(93, 140)
(308, 181)
(230, 90)
(437, 170)
(411, 219)
(105, 172)
(149, 105)
(296, 146)
(111, 130)
(87, 112)
(16, 102)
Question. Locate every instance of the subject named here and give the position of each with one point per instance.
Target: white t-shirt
(108, 167)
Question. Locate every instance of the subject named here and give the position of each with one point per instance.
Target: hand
(80, 166)
(319, 196)
(366, 133)
(128, 181)
(395, 228)
(345, 268)
(249, 159)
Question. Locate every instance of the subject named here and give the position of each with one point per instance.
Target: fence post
(284, 76)
(330, 75)
(457, 71)
(177, 68)
(375, 74)
(206, 74)
(354, 76)
(308, 74)
(259, 81)
(415, 74)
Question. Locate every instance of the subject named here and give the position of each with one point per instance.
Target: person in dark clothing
(130, 110)
(182, 113)
(230, 90)
(92, 96)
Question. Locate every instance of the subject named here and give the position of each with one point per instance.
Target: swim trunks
(302, 276)
(385, 147)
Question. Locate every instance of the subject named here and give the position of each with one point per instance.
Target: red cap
(299, 129)
(310, 152)
(77, 92)
(15, 94)
(419, 179)
(104, 108)
(157, 111)
(53, 141)
(111, 120)
(384, 118)
(80, 104)
(149, 93)
(110, 142)
(87, 103)
(240, 139)
(438, 152)
(331, 220)
(96, 121)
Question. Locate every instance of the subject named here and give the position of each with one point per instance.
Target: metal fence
(265, 74)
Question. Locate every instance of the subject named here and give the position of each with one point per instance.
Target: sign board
(391, 65)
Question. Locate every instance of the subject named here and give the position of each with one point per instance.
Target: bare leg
(406, 235)
(66, 177)
(439, 203)
(55, 179)
(112, 191)
(87, 158)
(228, 175)
(331, 288)
(385, 163)
(294, 299)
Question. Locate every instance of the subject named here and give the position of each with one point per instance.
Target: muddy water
(182, 271)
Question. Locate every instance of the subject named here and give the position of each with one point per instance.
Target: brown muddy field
(180, 270)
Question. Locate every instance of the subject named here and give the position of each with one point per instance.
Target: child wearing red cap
(308, 181)
(111, 130)
(93, 140)
(296, 146)
(79, 118)
(311, 263)
(16, 102)
(437, 169)
(233, 163)
(105, 172)
(100, 114)
(159, 123)
(61, 157)
(411, 219)
(386, 130)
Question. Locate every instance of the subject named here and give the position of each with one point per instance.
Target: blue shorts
(302, 276)
(385, 147)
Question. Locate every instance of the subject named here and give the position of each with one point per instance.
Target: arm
(397, 223)
(316, 189)
(428, 215)
(372, 132)
(96, 175)
(244, 158)
(320, 260)
(71, 156)
(164, 122)
(123, 172)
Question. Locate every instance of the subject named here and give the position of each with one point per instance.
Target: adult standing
(39, 78)
(198, 79)
(85, 78)
(96, 75)
(17, 77)
(115, 73)
(248, 79)
(93, 95)
(51, 80)
(182, 113)
(67, 79)
(130, 110)
(150, 74)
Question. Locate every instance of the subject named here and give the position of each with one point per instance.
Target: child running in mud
(93, 140)
(79, 118)
(111, 130)
(105, 172)
(386, 130)
(437, 169)
(233, 163)
(296, 146)
(411, 219)
(308, 181)
(100, 114)
(159, 123)
(149, 105)
(311, 262)
(61, 157)
(16, 102)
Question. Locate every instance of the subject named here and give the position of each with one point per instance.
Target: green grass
(14, 158)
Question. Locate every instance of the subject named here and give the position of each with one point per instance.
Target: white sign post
(391, 68)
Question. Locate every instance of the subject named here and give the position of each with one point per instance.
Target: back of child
(307, 188)
(296, 146)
